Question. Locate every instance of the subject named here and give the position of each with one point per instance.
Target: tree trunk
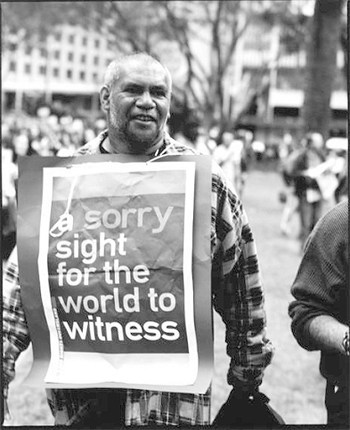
(321, 65)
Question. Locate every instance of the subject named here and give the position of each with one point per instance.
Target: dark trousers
(309, 214)
(108, 412)
(337, 404)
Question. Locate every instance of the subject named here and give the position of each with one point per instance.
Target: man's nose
(145, 100)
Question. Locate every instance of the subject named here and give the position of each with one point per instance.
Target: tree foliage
(35, 20)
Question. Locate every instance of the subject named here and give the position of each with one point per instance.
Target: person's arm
(327, 334)
(15, 330)
(238, 292)
(320, 307)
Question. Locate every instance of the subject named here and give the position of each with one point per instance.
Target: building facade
(66, 69)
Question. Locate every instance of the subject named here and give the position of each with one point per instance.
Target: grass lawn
(292, 381)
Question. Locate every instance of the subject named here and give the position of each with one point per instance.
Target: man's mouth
(144, 118)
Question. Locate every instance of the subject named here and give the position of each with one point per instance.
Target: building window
(12, 66)
(94, 77)
(42, 70)
(96, 61)
(43, 52)
(83, 58)
(97, 43)
(71, 38)
(281, 111)
(339, 114)
(57, 55)
(12, 46)
(58, 36)
(27, 69)
(28, 50)
(69, 74)
(82, 76)
(70, 56)
(84, 41)
(55, 72)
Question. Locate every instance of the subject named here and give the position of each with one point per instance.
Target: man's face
(139, 105)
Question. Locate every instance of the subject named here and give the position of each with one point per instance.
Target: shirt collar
(159, 151)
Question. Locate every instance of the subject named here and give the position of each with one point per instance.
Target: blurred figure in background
(306, 187)
(202, 143)
(22, 145)
(287, 155)
(342, 191)
(237, 149)
(246, 158)
(68, 147)
(338, 158)
(9, 174)
(224, 155)
(259, 149)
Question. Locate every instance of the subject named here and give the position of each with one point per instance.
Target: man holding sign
(136, 99)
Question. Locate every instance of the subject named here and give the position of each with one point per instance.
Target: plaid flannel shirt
(237, 296)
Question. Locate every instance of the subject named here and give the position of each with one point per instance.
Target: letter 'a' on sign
(115, 271)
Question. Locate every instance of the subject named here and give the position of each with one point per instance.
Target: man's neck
(118, 147)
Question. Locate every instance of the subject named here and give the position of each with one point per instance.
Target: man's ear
(104, 98)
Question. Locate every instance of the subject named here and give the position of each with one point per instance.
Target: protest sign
(113, 260)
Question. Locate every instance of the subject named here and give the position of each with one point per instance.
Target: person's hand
(243, 395)
(244, 391)
(245, 387)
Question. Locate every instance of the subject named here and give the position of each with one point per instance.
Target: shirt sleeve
(237, 288)
(15, 330)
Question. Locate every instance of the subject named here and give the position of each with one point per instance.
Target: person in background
(306, 187)
(67, 147)
(289, 152)
(22, 145)
(224, 155)
(340, 169)
(245, 158)
(237, 147)
(9, 174)
(320, 311)
(135, 97)
(341, 193)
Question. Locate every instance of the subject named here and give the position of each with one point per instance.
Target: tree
(213, 31)
(321, 65)
(33, 21)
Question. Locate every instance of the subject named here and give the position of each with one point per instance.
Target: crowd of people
(50, 135)
(135, 98)
(43, 136)
(314, 176)
(315, 179)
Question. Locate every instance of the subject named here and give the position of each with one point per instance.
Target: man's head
(227, 138)
(314, 140)
(136, 99)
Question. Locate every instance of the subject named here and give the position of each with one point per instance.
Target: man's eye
(159, 93)
(133, 90)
